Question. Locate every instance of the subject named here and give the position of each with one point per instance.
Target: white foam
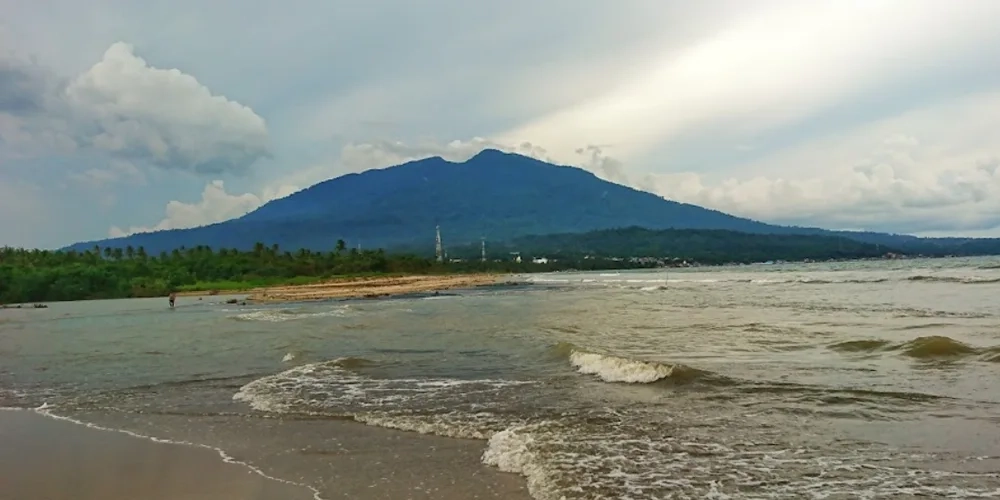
(601, 453)
(511, 451)
(456, 425)
(46, 412)
(330, 387)
(630, 458)
(616, 369)
(281, 315)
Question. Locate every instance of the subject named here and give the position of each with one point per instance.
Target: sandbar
(370, 287)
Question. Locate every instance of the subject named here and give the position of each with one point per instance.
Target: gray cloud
(20, 89)
(600, 163)
(131, 111)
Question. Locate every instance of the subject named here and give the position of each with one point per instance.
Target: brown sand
(370, 287)
(47, 459)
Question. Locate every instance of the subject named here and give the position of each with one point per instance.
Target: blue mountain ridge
(495, 195)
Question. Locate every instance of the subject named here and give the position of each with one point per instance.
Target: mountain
(496, 195)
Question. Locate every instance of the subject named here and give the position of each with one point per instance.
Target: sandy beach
(370, 287)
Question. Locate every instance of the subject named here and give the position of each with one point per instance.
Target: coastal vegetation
(702, 246)
(106, 272)
(102, 273)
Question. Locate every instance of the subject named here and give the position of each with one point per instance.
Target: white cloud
(165, 116)
(928, 170)
(215, 205)
(131, 110)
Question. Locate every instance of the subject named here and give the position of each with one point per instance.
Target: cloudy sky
(120, 116)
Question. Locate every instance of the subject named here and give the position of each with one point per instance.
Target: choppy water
(859, 380)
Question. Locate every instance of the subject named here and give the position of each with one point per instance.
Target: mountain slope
(496, 195)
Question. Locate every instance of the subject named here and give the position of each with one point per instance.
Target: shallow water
(869, 379)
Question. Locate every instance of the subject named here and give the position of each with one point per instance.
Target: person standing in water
(172, 298)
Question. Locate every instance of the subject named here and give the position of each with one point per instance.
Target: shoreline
(61, 457)
(361, 287)
(55, 457)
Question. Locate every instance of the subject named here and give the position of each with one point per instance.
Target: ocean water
(849, 380)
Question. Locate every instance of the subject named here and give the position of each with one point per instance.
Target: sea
(874, 379)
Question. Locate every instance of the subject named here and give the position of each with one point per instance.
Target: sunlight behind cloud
(763, 71)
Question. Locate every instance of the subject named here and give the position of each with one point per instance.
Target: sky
(123, 116)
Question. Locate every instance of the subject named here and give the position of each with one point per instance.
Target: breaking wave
(281, 315)
(955, 279)
(616, 369)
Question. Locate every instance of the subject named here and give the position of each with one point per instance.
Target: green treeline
(41, 275)
(103, 273)
(704, 246)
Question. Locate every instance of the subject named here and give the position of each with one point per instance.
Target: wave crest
(866, 345)
(617, 369)
(933, 347)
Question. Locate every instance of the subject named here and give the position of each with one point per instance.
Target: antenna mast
(438, 247)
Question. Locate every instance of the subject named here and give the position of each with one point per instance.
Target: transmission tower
(438, 247)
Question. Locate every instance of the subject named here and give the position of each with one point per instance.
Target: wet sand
(42, 458)
(47, 459)
(342, 459)
(370, 287)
